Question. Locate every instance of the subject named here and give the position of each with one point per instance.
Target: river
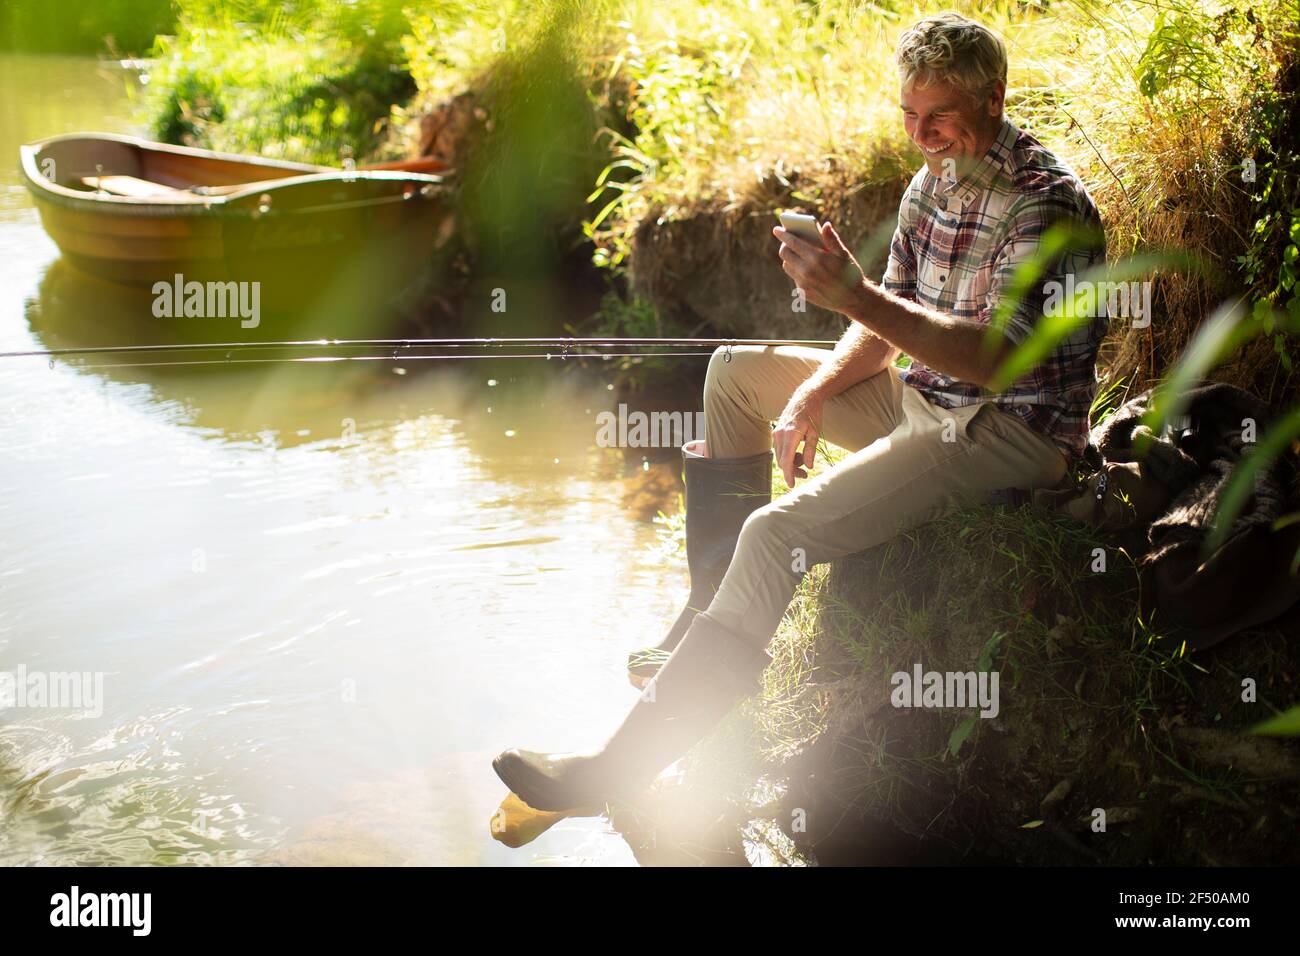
(319, 598)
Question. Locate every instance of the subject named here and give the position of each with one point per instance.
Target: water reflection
(298, 582)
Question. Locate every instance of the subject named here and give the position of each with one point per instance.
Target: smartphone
(805, 227)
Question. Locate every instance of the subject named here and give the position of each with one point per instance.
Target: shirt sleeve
(1024, 229)
(900, 271)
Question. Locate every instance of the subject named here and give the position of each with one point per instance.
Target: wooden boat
(140, 212)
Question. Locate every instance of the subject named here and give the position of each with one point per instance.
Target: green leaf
(1053, 245)
(1263, 314)
(1031, 825)
(959, 735)
(1242, 483)
(990, 647)
(1217, 337)
(600, 217)
(1051, 329)
(1286, 724)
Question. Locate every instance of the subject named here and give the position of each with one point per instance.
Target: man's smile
(932, 150)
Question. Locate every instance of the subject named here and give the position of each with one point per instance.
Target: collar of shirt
(956, 195)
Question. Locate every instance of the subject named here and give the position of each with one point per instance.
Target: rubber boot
(720, 494)
(692, 692)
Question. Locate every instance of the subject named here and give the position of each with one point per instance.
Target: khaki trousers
(910, 462)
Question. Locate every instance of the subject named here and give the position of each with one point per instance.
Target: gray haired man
(920, 441)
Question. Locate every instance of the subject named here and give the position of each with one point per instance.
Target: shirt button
(943, 278)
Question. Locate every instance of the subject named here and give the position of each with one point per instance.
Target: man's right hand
(799, 425)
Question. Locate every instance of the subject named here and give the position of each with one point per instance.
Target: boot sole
(525, 793)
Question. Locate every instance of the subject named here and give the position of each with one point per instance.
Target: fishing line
(451, 343)
(557, 349)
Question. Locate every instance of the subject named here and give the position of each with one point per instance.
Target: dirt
(718, 269)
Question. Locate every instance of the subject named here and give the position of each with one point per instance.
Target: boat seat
(135, 188)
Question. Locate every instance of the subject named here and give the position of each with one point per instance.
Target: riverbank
(1110, 745)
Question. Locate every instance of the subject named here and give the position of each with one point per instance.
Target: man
(920, 442)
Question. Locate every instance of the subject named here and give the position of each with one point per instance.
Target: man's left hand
(829, 275)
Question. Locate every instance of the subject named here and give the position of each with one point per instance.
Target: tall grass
(309, 80)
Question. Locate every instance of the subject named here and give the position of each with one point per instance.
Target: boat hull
(296, 228)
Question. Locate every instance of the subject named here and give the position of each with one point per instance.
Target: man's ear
(997, 98)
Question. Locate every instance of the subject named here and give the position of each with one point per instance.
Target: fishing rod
(539, 342)
(329, 359)
(401, 349)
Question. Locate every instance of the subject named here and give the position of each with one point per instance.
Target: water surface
(320, 597)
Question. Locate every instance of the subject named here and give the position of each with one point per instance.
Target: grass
(1089, 693)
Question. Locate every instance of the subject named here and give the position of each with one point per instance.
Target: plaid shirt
(956, 249)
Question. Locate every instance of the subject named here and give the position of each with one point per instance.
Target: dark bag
(1171, 484)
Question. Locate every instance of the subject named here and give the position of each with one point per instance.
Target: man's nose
(922, 129)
